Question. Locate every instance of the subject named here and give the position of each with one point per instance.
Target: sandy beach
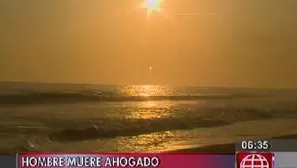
(228, 148)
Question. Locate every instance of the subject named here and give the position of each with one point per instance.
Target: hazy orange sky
(249, 43)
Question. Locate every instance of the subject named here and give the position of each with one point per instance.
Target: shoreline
(228, 148)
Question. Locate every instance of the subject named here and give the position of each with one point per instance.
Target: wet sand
(228, 148)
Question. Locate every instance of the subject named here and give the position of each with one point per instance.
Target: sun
(151, 6)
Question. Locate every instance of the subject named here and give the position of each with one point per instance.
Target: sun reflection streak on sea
(147, 90)
(149, 109)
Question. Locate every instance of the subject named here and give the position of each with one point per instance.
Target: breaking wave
(97, 131)
(56, 97)
(122, 128)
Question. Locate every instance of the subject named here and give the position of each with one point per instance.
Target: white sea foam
(144, 125)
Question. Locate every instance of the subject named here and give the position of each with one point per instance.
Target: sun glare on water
(146, 90)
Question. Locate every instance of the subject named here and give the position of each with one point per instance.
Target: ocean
(138, 118)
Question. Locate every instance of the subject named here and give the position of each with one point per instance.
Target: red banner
(117, 160)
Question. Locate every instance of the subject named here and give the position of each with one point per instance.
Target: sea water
(137, 118)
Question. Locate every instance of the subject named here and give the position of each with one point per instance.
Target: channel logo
(254, 160)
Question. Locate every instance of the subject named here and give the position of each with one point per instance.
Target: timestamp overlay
(276, 153)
